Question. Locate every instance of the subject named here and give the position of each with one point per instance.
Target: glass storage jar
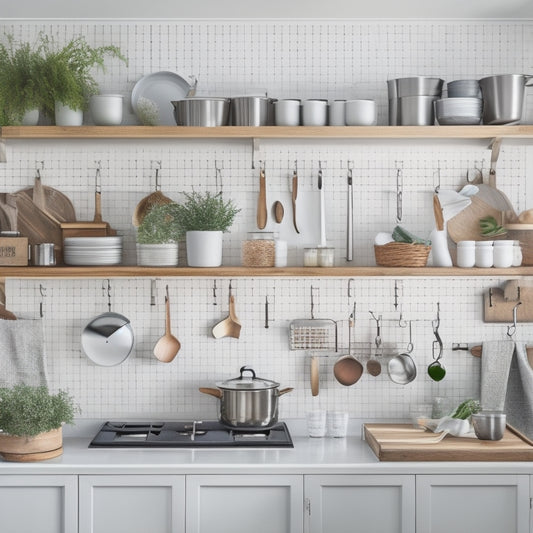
(484, 254)
(503, 254)
(259, 249)
(466, 254)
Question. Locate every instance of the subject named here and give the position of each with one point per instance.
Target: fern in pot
(203, 218)
(157, 237)
(31, 420)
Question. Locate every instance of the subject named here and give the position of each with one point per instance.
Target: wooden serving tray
(403, 442)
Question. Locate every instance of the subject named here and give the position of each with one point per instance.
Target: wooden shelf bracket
(499, 305)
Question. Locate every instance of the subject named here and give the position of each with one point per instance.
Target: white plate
(93, 241)
(161, 88)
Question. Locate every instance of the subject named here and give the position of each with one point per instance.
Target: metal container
(200, 111)
(503, 98)
(416, 110)
(43, 254)
(489, 425)
(415, 86)
(252, 111)
(247, 402)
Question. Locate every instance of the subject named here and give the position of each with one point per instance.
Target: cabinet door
(132, 504)
(472, 504)
(360, 503)
(245, 504)
(47, 504)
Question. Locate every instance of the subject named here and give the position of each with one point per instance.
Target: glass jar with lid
(259, 249)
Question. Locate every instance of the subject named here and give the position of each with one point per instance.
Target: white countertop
(349, 455)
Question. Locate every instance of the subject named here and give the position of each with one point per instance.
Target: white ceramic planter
(106, 109)
(157, 254)
(30, 118)
(204, 248)
(65, 116)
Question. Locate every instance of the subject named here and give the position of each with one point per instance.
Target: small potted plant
(31, 420)
(66, 76)
(204, 217)
(21, 93)
(157, 237)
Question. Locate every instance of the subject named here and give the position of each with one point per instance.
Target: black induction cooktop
(190, 434)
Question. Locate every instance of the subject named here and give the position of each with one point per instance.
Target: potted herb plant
(67, 77)
(31, 420)
(21, 93)
(204, 217)
(157, 237)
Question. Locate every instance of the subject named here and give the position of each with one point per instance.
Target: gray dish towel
(519, 401)
(495, 365)
(22, 354)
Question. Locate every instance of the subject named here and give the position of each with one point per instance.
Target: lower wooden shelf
(133, 271)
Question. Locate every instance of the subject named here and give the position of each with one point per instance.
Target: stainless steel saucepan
(247, 402)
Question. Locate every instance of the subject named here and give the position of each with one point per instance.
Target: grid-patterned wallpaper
(333, 59)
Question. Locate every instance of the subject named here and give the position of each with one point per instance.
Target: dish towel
(22, 354)
(519, 401)
(495, 365)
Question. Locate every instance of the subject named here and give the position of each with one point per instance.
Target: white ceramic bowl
(360, 112)
(106, 109)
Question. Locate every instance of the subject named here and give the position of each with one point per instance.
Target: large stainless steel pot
(200, 111)
(252, 111)
(503, 98)
(247, 402)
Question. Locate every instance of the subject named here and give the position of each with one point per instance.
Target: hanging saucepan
(107, 340)
(247, 402)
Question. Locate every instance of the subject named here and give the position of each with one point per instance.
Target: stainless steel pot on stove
(247, 402)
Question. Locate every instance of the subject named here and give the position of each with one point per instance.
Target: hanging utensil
(347, 369)
(230, 326)
(436, 370)
(439, 238)
(373, 366)
(323, 243)
(402, 368)
(294, 196)
(168, 346)
(278, 211)
(349, 221)
(314, 375)
(261, 200)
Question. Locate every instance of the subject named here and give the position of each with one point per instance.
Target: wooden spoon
(279, 211)
(314, 376)
(167, 346)
(230, 326)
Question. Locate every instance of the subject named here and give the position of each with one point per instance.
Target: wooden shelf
(267, 132)
(237, 271)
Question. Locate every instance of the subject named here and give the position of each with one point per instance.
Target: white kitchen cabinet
(472, 504)
(245, 504)
(360, 503)
(132, 504)
(43, 504)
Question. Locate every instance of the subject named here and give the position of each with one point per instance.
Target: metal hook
(402, 322)
(156, 164)
(37, 169)
(350, 282)
(312, 301)
(214, 292)
(438, 341)
(396, 295)
(98, 185)
(153, 290)
(42, 291)
(378, 329)
(262, 165)
(218, 178)
(437, 172)
(230, 287)
(108, 289)
(166, 288)
(295, 170)
(511, 330)
(399, 194)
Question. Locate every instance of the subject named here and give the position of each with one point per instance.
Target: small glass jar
(484, 254)
(280, 253)
(466, 254)
(503, 254)
(517, 254)
(326, 257)
(259, 249)
(311, 257)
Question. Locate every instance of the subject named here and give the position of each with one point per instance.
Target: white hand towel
(519, 400)
(495, 364)
(22, 355)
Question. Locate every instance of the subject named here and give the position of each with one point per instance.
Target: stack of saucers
(90, 251)
(458, 111)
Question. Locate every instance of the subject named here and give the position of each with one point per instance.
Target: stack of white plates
(88, 251)
(458, 111)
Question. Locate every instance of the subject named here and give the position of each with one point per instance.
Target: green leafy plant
(66, 72)
(490, 228)
(466, 409)
(205, 212)
(21, 64)
(26, 411)
(160, 225)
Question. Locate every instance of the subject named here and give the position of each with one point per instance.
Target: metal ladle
(401, 367)
(347, 369)
(373, 366)
(436, 370)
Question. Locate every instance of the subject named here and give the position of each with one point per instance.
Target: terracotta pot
(43, 446)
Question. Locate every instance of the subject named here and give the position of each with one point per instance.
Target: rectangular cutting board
(402, 442)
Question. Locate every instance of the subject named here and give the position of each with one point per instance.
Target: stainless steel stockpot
(200, 111)
(247, 402)
(252, 111)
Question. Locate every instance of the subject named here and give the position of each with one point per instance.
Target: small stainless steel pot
(247, 402)
(200, 111)
(252, 111)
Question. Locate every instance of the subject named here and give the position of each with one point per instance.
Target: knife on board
(294, 196)
(261, 200)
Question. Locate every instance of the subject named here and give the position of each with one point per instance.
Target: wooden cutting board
(403, 442)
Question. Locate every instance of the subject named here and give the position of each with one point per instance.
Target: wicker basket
(402, 254)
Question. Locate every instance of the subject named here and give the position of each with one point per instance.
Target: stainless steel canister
(43, 254)
(202, 112)
(252, 111)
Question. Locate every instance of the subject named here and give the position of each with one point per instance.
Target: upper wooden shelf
(267, 132)
(238, 271)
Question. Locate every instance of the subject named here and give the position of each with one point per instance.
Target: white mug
(287, 112)
(315, 112)
(337, 110)
(360, 112)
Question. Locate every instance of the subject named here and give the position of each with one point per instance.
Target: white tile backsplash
(331, 59)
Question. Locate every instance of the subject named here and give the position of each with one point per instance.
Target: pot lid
(247, 382)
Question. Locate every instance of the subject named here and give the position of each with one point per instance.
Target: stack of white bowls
(92, 251)
(463, 106)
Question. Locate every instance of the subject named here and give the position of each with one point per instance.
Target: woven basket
(402, 254)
